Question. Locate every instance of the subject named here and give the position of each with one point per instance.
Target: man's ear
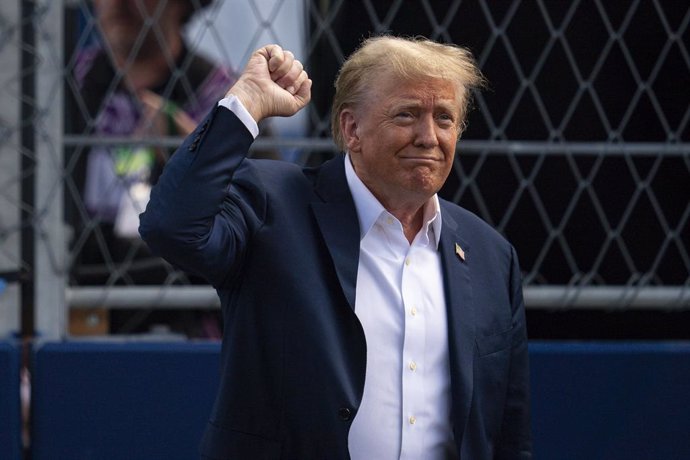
(348, 129)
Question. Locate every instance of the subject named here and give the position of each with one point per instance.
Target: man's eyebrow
(407, 101)
(416, 102)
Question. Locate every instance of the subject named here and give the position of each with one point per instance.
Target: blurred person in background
(140, 80)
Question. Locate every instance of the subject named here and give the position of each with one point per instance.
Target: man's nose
(425, 132)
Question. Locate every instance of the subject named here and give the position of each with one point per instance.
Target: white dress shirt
(235, 106)
(405, 410)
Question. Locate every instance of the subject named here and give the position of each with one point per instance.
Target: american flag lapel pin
(459, 252)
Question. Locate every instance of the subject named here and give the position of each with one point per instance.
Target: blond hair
(405, 58)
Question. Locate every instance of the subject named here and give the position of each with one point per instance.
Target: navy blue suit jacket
(281, 244)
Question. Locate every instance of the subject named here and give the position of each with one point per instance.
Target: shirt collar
(369, 209)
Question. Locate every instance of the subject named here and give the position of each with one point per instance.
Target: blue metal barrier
(10, 413)
(119, 401)
(151, 400)
(610, 401)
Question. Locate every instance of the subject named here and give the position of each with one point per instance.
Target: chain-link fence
(578, 151)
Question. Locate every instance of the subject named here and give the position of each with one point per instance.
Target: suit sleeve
(516, 439)
(196, 218)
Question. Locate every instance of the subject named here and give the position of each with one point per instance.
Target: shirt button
(413, 419)
(407, 261)
(389, 220)
(413, 311)
(413, 366)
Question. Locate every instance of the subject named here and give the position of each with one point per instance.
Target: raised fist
(273, 83)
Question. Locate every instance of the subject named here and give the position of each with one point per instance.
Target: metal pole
(10, 164)
(465, 146)
(143, 297)
(608, 297)
(550, 297)
(50, 261)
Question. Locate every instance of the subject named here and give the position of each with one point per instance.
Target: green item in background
(133, 161)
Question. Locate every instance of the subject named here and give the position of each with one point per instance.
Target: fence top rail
(473, 146)
(556, 297)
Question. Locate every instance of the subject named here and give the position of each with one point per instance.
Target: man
(364, 317)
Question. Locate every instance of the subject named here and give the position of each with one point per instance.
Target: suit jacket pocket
(494, 343)
(221, 443)
(491, 375)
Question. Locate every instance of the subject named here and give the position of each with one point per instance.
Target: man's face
(402, 140)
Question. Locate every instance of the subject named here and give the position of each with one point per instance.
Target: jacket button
(345, 414)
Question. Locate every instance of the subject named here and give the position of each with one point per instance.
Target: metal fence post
(50, 244)
(10, 259)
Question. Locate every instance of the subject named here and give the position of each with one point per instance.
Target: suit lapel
(461, 322)
(337, 219)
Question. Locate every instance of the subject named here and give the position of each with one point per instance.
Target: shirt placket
(412, 355)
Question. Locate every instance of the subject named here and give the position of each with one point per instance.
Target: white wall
(230, 30)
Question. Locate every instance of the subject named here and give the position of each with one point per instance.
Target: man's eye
(404, 115)
(445, 119)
